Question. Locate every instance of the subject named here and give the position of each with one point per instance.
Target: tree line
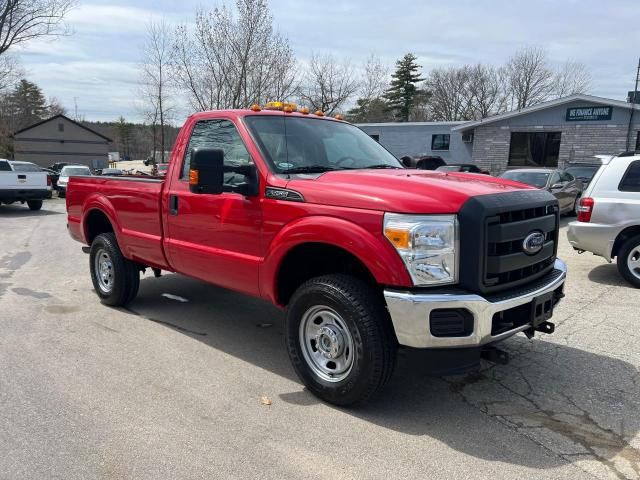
(232, 57)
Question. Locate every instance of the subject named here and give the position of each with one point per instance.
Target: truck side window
(220, 134)
(631, 180)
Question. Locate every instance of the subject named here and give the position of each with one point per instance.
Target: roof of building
(407, 124)
(67, 119)
(545, 105)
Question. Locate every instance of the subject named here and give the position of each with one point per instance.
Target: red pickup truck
(311, 214)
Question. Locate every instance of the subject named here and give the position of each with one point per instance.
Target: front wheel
(34, 204)
(628, 260)
(340, 339)
(116, 280)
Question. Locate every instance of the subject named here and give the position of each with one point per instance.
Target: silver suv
(609, 215)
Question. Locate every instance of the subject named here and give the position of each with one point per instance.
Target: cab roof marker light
(255, 107)
(319, 113)
(304, 110)
(338, 117)
(281, 106)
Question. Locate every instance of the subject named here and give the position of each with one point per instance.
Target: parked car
(584, 173)
(314, 216)
(56, 167)
(425, 162)
(608, 223)
(461, 167)
(162, 169)
(53, 175)
(67, 172)
(23, 182)
(564, 186)
(114, 172)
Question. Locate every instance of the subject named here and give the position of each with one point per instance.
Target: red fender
(375, 252)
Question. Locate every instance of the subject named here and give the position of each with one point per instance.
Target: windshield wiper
(381, 166)
(310, 169)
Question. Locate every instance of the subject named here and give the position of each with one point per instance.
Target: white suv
(609, 215)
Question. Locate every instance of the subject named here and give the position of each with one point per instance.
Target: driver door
(216, 238)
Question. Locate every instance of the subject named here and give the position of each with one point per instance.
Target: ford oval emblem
(533, 243)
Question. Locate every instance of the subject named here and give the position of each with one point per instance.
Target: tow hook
(494, 355)
(546, 327)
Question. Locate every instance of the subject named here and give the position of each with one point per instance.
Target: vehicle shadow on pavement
(577, 404)
(19, 211)
(607, 274)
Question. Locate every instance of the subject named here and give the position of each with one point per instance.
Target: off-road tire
(34, 204)
(625, 250)
(367, 319)
(126, 274)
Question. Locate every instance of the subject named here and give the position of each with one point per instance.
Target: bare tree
(529, 78)
(572, 77)
(450, 97)
(375, 79)
(156, 81)
(10, 71)
(232, 60)
(55, 107)
(487, 91)
(328, 84)
(24, 20)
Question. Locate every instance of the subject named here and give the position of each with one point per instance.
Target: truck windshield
(301, 145)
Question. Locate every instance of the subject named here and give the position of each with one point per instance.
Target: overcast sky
(98, 64)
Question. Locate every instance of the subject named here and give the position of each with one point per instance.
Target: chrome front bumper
(410, 313)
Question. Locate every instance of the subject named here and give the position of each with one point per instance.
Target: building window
(631, 180)
(61, 127)
(440, 141)
(375, 136)
(534, 149)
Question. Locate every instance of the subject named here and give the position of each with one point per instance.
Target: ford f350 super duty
(314, 216)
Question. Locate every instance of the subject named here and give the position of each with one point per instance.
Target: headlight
(427, 244)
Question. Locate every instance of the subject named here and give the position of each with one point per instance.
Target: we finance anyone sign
(581, 114)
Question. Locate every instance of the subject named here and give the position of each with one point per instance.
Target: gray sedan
(564, 186)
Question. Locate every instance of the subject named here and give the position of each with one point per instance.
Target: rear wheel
(340, 340)
(115, 279)
(629, 260)
(34, 204)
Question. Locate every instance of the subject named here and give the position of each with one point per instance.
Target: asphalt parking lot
(172, 386)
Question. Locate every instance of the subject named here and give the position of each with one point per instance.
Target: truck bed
(133, 205)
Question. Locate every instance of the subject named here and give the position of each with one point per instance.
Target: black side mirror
(206, 172)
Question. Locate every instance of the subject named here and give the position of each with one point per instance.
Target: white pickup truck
(23, 182)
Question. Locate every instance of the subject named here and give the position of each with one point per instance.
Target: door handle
(173, 204)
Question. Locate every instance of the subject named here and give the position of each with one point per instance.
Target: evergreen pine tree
(26, 105)
(403, 93)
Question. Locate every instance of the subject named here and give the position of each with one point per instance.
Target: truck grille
(507, 263)
(493, 229)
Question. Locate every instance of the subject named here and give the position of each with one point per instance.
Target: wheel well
(95, 224)
(312, 260)
(622, 237)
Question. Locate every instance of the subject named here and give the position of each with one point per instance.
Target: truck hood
(401, 191)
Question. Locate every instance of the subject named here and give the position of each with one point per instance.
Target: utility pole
(75, 104)
(634, 99)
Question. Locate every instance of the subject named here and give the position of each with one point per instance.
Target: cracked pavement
(172, 389)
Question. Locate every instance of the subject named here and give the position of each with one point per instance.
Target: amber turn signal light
(399, 238)
(193, 177)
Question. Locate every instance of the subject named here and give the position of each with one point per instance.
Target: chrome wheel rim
(104, 271)
(327, 344)
(633, 261)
